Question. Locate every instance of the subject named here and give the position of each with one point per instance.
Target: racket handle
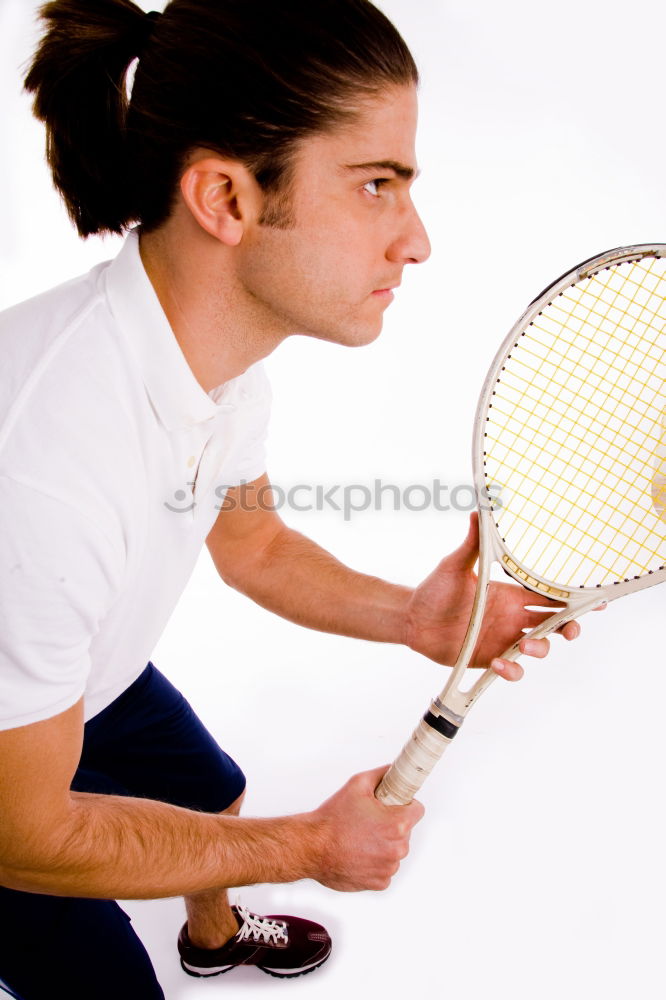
(416, 760)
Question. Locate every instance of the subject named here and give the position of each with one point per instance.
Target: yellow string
(574, 432)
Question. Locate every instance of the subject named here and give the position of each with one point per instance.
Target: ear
(222, 196)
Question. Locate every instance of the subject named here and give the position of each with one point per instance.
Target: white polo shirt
(113, 466)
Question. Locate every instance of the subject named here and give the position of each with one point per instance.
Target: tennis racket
(569, 458)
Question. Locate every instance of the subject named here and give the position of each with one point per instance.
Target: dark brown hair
(247, 79)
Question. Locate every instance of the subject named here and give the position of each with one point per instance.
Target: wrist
(310, 839)
(266, 849)
(408, 629)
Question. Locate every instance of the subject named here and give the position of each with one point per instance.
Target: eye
(372, 187)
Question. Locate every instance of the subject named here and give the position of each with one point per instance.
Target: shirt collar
(179, 400)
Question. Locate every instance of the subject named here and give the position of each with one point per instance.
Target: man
(266, 156)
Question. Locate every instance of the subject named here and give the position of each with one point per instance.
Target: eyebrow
(400, 169)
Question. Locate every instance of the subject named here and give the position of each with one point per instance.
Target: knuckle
(379, 882)
(391, 863)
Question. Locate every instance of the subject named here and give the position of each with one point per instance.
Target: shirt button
(191, 461)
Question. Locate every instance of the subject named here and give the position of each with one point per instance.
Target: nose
(412, 245)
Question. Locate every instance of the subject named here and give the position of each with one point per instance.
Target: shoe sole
(269, 972)
(292, 975)
(191, 971)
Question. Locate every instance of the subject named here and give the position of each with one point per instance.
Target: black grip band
(441, 724)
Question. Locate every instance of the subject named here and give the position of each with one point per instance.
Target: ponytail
(78, 80)
(246, 79)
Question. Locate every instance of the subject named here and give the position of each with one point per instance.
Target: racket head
(569, 450)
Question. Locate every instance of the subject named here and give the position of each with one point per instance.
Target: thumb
(367, 781)
(466, 554)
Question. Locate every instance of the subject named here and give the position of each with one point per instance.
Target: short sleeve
(59, 575)
(251, 459)
(237, 451)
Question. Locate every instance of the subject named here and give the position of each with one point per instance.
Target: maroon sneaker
(279, 945)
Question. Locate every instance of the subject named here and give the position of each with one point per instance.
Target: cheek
(335, 259)
(306, 266)
(319, 267)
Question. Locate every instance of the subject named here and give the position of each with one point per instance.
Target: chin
(363, 336)
(348, 338)
(356, 339)
(370, 339)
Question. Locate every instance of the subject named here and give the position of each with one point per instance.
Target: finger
(541, 601)
(466, 555)
(533, 618)
(534, 647)
(507, 669)
(417, 809)
(367, 782)
(570, 631)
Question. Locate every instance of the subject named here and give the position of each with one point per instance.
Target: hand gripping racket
(569, 458)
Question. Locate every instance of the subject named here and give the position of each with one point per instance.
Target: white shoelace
(261, 928)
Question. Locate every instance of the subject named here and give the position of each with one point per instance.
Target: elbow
(12, 878)
(243, 572)
(29, 854)
(234, 576)
(20, 875)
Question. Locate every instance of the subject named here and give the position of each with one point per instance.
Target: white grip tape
(412, 766)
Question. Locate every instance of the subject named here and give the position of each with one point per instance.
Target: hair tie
(150, 20)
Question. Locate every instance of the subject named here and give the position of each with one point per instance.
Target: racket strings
(535, 372)
(659, 478)
(582, 525)
(618, 454)
(594, 418)
(595, 356)
(583, 443)
(576, 433)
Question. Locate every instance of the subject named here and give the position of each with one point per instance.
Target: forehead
(384, 130)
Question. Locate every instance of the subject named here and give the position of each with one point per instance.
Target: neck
(219, 329)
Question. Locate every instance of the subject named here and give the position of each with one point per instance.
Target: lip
(385, 291)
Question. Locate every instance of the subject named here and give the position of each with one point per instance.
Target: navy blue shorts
(149, 744)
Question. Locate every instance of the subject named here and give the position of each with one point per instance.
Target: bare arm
(61, 843)
(282, 570)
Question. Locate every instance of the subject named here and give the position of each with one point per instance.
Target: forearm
(111, 847)
(298, 580)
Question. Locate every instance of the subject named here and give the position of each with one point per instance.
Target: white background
(537, 871)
